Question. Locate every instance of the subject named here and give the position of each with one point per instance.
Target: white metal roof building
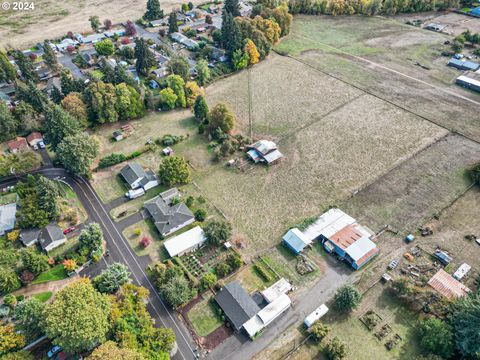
(188, 241)
(468, 82)
(328, 224)
(281, 287)
(265, 316)
(340, 233)
(462, 271)
(316, 315)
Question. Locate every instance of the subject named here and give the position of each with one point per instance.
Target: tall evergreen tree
(69, 83)
(56, 95)
(232, 7)
(154, 11)
(49, 56)
(231, 35)
(58, 125)
(25, 65)
(200, 108)
(172, 23)
(31, 95)
(145, 58)
(7, 70)
(8, 124)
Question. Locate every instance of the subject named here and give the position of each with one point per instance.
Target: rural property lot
(106, 181)
(335, 139)
(379, 55)
(53, 18)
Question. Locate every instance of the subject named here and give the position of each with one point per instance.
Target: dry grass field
(53, 18)
(335, 139)
(380, 56)
(418, 189)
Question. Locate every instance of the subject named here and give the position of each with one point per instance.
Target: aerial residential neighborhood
(237, 179)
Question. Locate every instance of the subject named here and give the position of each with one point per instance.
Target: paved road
(120, 251)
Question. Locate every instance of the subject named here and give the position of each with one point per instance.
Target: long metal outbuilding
(468, 82)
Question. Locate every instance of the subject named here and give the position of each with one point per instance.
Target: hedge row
(262, 270)
(117, 158)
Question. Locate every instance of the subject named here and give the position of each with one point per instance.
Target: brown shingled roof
(447, 286)
(17, 144)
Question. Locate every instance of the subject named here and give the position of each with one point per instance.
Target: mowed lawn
(335, 138)
(204, 317)
(56, 273)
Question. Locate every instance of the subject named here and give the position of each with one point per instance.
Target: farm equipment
(426, 231)
(408, 256)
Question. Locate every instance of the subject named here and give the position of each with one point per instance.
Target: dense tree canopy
(49, 56)
(110, 351)
(200, 108)
(73, 104)
(101, 102)
(168, 99)
(91, 239)
(58, 125)
(172, 22)
(466, 324)
(9, 280)
(177, 84)
(221, 117)
(174, 170)
(26, 66)
(145, 58)
(105, 47)
(231, 35)
(217, 232)
(176, 291)
(133, 326)
(10, 340)
(31, 95)
(179, 66)
(7, 70)
(29, 317)
(232, 7)
(112, 278)
(76, 153)
(154, 11)
(34, 261)
(203, 72)
(8, 124)
(346, 298)
(77, 319)
(437, 337)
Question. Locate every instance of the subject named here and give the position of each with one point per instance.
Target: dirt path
(52, 286)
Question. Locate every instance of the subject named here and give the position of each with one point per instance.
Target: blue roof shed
(475, 12)
(463, 65)
(295, 240)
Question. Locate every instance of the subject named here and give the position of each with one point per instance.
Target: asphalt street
(120, 251)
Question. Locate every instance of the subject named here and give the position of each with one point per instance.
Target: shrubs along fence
(117, 158)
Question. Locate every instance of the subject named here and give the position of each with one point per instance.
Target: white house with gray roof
(136, 177)
(51, 237)
(167, 216)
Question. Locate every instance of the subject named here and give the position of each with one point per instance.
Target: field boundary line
(379, 97)
(250, 112)
(289, 135)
